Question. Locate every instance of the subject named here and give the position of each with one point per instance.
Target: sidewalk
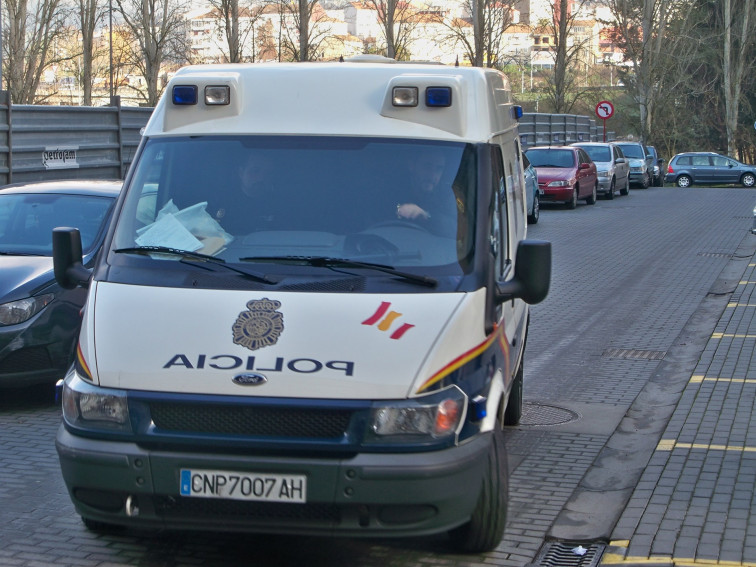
(695, 501)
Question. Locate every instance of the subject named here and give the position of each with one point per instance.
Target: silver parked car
(532, 191)
(612, 167)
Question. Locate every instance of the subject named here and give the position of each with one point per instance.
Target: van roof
(349, 99)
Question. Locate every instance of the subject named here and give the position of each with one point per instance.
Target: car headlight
(428, 418)
(87, 406)
(16, 312)
(603, 174)
(562, 183)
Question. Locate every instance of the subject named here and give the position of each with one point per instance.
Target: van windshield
(408, 204)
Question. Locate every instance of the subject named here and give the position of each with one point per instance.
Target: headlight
(22, 310)
(603, 174)
(87, 406)
(436, 416)
(559, 184)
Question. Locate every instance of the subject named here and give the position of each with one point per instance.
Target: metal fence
(540, 129)
(39, 143)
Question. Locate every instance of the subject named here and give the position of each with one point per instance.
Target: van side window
(499, 225)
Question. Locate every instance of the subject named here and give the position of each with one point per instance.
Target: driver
(425, 199)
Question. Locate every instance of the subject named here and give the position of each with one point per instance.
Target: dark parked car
(657, 164)
(701, 168)
(565, 174)
(532, 191)
(39, 321)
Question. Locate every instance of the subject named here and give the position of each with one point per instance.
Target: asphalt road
(630, 279)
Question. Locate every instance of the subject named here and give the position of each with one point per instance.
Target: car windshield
(551, 157)
(27, 220)
(598, 153)
(287, 199)
(632, 151)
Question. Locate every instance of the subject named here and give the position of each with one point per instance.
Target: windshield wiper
(196, 257)
(328, 262)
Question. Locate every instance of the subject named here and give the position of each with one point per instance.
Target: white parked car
(611, 165)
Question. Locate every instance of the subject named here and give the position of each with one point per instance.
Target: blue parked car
(702, 168)
(532, 191)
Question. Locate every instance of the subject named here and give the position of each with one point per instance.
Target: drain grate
(634, 354)
(535, 414)
(570, 554)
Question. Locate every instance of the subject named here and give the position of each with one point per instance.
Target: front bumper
(555, 194)
(368, 494)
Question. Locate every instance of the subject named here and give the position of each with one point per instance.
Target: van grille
(250, 421)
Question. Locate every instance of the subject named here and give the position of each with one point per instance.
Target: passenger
(254, 202)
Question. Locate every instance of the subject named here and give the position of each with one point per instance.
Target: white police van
(310, 312)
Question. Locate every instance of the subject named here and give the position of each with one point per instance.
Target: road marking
(699, 378)
(670, 444)
(614, 559)
(620, 558)
(731, 336)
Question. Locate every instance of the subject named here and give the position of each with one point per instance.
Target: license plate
(243, 486)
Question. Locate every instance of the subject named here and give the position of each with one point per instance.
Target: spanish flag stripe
(466, 357)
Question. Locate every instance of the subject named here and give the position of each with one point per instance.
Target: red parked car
(565, 174)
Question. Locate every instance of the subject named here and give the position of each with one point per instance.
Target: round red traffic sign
(605, 109)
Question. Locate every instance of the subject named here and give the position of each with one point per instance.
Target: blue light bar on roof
(438, 96)
(183, 95)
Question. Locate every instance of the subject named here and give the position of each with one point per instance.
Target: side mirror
(619, 160)
(585, 165)
(67, 258)
(532, 276)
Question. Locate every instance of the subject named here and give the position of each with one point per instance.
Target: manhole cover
(542, 414)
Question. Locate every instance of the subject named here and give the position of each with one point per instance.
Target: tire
(572, 203)
(659, 182)
(646, 181)
(591, 200)
(748, 180)
(684, 181)
(513, 413)
(533, 219)
(612, 189)
(626, 190)
(486, 526)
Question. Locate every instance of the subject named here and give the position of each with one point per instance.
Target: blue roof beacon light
(438, 97)
(516, 112)
(184, 95)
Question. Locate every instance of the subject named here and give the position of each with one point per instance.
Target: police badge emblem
(260, 326)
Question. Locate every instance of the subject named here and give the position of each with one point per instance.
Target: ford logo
(249, 379)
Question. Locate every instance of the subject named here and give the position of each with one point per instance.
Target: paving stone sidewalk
(695, 503)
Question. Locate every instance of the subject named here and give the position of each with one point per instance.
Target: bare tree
(89, 14)
(568, 47)
(237, 25)
(30, 32)
(397, 21)
(303, 27)
(489, 19)
(739, 29)
(158, 29)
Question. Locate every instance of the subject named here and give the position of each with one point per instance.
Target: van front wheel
(486, 526)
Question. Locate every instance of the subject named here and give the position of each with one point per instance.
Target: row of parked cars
(585, 170)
